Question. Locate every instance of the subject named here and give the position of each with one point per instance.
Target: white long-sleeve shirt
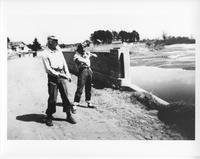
(54, 60)
(82, 59)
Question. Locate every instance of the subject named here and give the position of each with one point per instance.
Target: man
(58, 75)
(82, 59)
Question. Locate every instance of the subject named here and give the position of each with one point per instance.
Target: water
(169, 84)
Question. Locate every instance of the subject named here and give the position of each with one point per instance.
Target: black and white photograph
(101, 70)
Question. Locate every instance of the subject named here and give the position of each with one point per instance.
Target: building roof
(17, 43)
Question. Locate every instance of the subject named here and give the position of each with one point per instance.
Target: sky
(74, 21)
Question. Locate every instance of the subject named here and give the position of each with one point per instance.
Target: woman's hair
(80, 49)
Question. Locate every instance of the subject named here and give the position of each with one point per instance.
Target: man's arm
(79, 59)
(91, 54)
(48, 68)
(94, 55)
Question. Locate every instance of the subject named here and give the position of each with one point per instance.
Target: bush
(155, 44)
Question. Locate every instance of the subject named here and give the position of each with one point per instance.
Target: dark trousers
(55, 84)
(84, 79)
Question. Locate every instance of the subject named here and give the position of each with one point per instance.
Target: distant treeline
(168, 40)
(106, 37)
(178, 40)
(157, 44)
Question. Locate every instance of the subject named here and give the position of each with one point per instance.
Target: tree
(8, 41)
(101, 36)
(107, 37)
(114, 35)
(164, 36)
(36, 45)
(123, 35)
(137, 36)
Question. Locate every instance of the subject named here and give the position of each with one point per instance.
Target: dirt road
(116, 115)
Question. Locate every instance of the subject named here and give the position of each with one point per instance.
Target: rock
(147, 99)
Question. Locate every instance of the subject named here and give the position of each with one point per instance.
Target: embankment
(118, 115)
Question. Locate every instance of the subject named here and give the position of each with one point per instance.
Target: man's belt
(83, 68)
(86, 67)
(83, 65)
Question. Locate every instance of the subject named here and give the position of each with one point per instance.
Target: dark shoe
(49, 122)
(70, 119)
(49, 116)
(73, 109)
(91, 106)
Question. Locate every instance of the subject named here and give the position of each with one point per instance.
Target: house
(17, 47)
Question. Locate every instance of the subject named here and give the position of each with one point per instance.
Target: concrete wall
(112, 69)
(108, 68)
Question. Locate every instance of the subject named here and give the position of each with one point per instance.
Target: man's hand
(69, 79)
(94, 55)
(65, 77)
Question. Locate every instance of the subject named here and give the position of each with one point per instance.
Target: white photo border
(90, 148)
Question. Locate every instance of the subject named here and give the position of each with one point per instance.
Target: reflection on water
(169, 84)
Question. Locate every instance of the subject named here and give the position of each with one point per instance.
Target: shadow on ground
(38, 118)
(82, 106)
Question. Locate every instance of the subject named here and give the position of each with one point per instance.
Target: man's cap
(52, 37)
